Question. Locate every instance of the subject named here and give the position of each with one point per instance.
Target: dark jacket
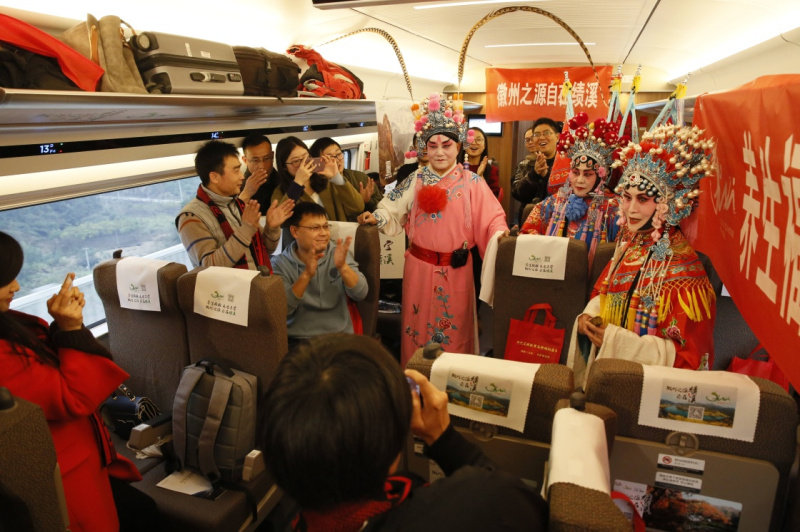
(264, 193)
(527, 185)
(475, 496)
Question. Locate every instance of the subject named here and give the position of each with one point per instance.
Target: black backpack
(266, 73)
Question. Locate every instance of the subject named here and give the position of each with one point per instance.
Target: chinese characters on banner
(751, 209)
(514, 94)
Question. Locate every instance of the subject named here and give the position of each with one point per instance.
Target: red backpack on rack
(324, 78)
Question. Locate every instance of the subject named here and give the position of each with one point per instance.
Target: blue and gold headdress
(668, 164)
(436, 115)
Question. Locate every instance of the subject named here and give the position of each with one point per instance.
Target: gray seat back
(765, 462)
(31, 494)
(256, 349)
(513, 295)
(367, 253)
(151, 346)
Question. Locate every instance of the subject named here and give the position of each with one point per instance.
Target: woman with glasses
(298, 181)
(529, 183)
(371, 195)
(476, 155)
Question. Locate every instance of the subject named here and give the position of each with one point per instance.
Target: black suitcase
(266, 73)
(172, 64)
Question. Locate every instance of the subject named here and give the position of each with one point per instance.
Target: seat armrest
(150, 432)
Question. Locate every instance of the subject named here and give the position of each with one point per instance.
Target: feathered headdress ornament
(436, 115)
(667, 165)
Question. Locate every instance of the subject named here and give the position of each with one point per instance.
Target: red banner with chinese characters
(529, 93)
(750, 210)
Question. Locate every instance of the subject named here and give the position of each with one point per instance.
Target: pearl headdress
(668, 164)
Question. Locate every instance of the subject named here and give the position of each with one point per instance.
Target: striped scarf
(257, 248)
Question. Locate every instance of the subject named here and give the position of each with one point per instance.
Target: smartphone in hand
(319, 164)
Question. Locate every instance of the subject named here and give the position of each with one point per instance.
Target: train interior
(85, 174)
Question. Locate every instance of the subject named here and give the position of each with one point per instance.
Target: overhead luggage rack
(32, 116)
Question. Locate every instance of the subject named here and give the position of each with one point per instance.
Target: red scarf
(352, 516)
(257, 248)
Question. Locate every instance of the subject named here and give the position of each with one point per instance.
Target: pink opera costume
(445, 212)
(582, 211)
(654, 295)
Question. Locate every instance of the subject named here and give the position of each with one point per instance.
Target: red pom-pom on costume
(432, 199)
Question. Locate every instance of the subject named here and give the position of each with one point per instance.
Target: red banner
(750, 215)
(528, 93)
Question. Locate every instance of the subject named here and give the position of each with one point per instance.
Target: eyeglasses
(317, 228)
(295, 162)
(478, 141)
(258, 160)
(339, 156)
(536, 135)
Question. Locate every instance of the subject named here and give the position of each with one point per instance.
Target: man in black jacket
(260, 178)
(336, 420)
(529, 182)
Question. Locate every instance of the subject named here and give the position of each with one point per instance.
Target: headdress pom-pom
(432, 199)
(412, 154)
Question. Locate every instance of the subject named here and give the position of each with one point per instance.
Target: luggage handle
(209, 366)
(533, 310)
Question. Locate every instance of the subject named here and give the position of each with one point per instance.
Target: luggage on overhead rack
(173, 64)
(266, 73)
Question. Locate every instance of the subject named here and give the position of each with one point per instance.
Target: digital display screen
(51, 148)
(489, 128)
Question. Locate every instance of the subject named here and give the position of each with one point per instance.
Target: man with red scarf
(219, 229)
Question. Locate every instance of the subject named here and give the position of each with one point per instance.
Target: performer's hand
(504, 234)
(595, 333)
(66, 307)
(367, 218)
(277, 214)
(251, 215)
(430, 421)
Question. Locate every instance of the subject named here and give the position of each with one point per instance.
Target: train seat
(513, 294)
(152, 346)
(367, 253)
(31, 494)
(578, 487)
(256, 349)
(717, 465)
(524, 453)
(602, 256)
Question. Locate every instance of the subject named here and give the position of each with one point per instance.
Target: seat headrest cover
(487, 390)
(709, 403)
(579, 452)
(137, 283)
(224, 294)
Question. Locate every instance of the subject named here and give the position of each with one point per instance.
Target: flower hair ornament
(668, 165)
(436, 115)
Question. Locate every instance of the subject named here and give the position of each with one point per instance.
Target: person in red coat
(64, 370)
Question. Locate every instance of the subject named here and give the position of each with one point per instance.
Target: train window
(74, 235)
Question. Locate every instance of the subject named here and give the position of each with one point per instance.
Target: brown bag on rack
(104, 43)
